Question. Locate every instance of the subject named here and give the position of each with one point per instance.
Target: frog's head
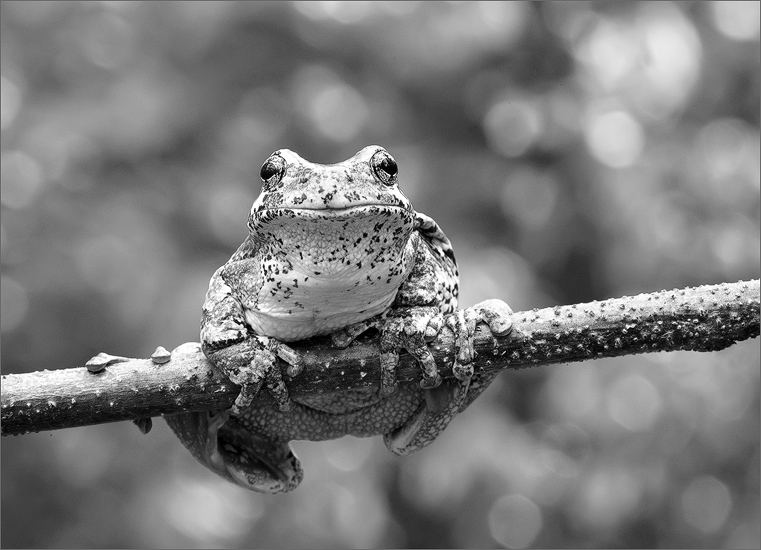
(334, 242)
(298, 191)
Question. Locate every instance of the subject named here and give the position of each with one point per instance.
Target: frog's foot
(246, 458)
(409, 328)
(253, 363)
(344, 337)
(443, 403)
(495, 313)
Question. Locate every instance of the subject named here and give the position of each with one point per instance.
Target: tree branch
(707, 318)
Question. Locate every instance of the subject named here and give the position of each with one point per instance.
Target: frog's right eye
(384, 166)
(273, 170)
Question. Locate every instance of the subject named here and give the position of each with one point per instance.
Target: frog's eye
(273, 169)
(384, 167)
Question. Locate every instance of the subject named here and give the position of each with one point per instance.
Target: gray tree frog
(332, 250)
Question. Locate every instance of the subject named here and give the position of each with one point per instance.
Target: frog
(333, 250)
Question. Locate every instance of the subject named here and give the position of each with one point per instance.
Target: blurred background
(572, 151)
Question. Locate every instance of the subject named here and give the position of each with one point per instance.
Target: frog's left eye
(384, 167)
(273, 169)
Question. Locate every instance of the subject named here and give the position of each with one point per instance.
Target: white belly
(323, 316)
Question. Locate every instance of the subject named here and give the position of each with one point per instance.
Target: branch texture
(706, 318)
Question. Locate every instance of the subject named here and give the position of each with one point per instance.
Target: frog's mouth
(354, 223)
(327, 212)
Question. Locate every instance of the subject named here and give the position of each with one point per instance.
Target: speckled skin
(332, 249)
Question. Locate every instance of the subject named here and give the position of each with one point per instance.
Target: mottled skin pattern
(332, 250)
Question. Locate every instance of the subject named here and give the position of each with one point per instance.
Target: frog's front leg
(225, 446)
(218, 440)
(248, 359)
(251, 364)
(444, 402)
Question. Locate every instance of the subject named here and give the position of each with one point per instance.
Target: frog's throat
(329, 241)
(319, 272)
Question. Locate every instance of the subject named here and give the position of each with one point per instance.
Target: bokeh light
(336, 110)
(737, 20)
(10, 101)
(515, 521)
(13, 305)
(614, 138)
(22, 179)
(513, 125)
(634, 402)
(706, 504)
(209, 511)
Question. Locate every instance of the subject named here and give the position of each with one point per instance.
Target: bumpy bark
(707, 318)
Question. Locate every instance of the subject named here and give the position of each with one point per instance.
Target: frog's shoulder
(434, 235)
(246, 250)
(244, 266)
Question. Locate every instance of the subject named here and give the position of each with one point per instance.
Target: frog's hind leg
(434, 414)
(239, 455)
(444, 402)
(441, 405)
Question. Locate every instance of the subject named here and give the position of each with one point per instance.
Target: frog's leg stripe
(432, 232)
